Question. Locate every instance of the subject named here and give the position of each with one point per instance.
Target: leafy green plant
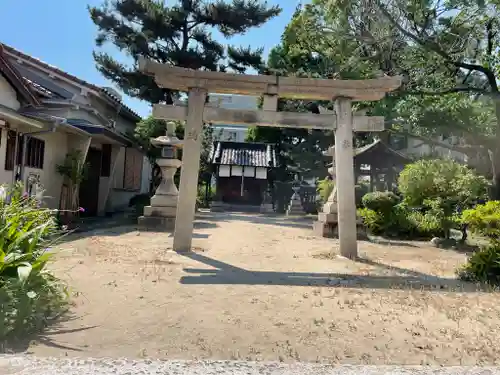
(379, 214)
(383, 215)
(483, 265)
(29, 295)
(422, 225)
(484, 219)
(441, 187)
(374, 221)
(359, 192)
(325, 188)
(75, 170)
(380, 201)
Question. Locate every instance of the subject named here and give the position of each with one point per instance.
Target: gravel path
(48, 366)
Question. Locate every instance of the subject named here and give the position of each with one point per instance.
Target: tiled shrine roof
(244, 154)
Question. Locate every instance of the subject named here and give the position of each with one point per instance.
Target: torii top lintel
(182, 79)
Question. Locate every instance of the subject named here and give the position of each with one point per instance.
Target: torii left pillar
(188, 187)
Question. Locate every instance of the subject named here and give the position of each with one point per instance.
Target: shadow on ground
(303, 222)
(108, 227)
(48, 337)
(398, 278)
(306, 222)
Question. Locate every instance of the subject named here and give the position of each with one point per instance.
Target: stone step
(23, 365)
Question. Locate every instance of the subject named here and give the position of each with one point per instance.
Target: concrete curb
(24, 365)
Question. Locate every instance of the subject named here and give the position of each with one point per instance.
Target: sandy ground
(267, 289)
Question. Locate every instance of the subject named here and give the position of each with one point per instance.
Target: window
(35, 151)
(11, 150)
(132, 174)
(106, 160)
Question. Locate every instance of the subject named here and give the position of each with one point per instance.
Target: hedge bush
(484, 219)
(385, 215)
(441, 187)
(324, 189)
(483, 265)
(380, 201)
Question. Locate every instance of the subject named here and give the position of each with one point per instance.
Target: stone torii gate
(199, 83)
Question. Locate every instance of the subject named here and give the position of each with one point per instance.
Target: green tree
(179, 34)
(447, 51)
(302, 149)
(151, 128)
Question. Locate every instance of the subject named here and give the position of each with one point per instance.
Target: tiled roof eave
(258, 155)
(69, 76)
(16, 79)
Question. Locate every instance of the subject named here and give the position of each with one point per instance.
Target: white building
(232, 132)
(45, 113)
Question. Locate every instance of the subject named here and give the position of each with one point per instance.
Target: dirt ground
(266, 289)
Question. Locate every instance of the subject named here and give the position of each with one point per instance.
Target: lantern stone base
(217, 206)
(295, 207)
(266, 208)
(326, 229)
(156, 223)
(164, 211)
(160, 216)
(327, 226)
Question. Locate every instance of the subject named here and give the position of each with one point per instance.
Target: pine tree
(179, 34)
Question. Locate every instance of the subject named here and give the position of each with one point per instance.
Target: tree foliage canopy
(447, 52)
(180, 34)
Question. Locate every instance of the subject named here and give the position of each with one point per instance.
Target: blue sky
(61, 33)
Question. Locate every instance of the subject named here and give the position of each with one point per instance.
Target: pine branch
(178, 34)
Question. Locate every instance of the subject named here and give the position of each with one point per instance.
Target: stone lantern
(160, 215)
(327, 223)
(295, 206)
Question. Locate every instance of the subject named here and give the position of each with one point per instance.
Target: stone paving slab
(24, 365)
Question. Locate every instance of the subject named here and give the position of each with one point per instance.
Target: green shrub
(380, 214)
(483, 265)
(401, 222)
(423, 225)
(441, 187)
(202, 200)
(484, 219)
(325, 188)
(360, 191)
(380, 201)
(373, 221)
(29, 295)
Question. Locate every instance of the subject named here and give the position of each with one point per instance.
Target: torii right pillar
(345, 184)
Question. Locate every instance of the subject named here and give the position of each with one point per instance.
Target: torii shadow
(226, 274)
